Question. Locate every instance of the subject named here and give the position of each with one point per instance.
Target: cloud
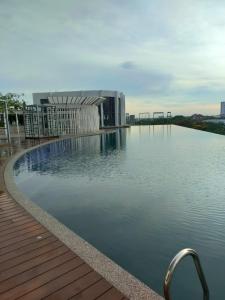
(161, 52)
(128, 65)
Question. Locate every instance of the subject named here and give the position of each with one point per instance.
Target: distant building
(197, 117)
(73, 112)
(222, 109)
(132, 119)
(127, 118)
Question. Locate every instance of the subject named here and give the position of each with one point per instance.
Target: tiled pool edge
(121, 279)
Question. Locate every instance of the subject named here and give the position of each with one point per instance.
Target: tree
(14, 101)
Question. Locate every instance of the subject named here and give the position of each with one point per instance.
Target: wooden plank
(28, 256)
(14, 225)
(42, 284)
(23, 243)
(4, 200)
(26, 276)
(7, 231)
(21, 232)
(7, 222)
(13, 216)
(4, 196)
(8, 206)
(94, 291)
(20, 218)
(10, 211)
(32, 263)
(18, 239)
(76, 287)
(27, 249)
(59, 283)
(112, 294)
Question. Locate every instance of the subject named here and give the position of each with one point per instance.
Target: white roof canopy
(79, 100)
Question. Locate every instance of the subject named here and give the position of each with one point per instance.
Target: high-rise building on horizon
(222, 109)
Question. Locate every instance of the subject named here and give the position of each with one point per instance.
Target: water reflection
(115, 141)
(154, 130)
(51, 158)
(162, 130)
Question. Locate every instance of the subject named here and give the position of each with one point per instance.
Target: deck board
(96, 290)
(34, 264)
(17, 228)
(111, 294)
(26, 250)
(80, 284)
(38, 270)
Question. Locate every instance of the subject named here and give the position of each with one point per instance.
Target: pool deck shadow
(40, 258)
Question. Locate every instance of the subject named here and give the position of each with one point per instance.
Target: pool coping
(111, 271)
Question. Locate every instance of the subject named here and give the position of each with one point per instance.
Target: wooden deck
(34, 264)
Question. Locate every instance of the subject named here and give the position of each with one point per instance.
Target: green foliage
(14, 101)
(156, 121)
(218, 128)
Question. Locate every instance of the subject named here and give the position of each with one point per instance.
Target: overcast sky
(163, 54)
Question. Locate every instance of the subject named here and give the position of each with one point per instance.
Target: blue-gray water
(139, 196)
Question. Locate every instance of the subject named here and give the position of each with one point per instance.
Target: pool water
(139, 195)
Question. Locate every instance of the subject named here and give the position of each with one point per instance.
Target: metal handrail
(180, 255)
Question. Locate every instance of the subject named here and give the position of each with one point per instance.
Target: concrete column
(122, 110)
(116, 109)
(17, 125)
(4, 120)
(122, 116)
(7, 122)
(102, 115)
(38, 122)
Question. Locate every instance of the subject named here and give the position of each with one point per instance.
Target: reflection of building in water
(153, 130)
(162, 130)
(51, 158)
(62, 113)
(168, 129)
(114, 140)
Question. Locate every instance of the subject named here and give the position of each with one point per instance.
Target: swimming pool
(139, 195)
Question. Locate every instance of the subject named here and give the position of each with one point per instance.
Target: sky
(165, 55)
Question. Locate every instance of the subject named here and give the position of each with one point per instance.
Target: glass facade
(109, 111)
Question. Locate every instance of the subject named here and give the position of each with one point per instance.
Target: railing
(180, 255)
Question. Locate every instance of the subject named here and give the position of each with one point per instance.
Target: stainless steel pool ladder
(180, 255)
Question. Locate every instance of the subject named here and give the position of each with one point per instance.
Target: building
(222, 109)
(132, 119)
(127, 118)
(60, 113)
